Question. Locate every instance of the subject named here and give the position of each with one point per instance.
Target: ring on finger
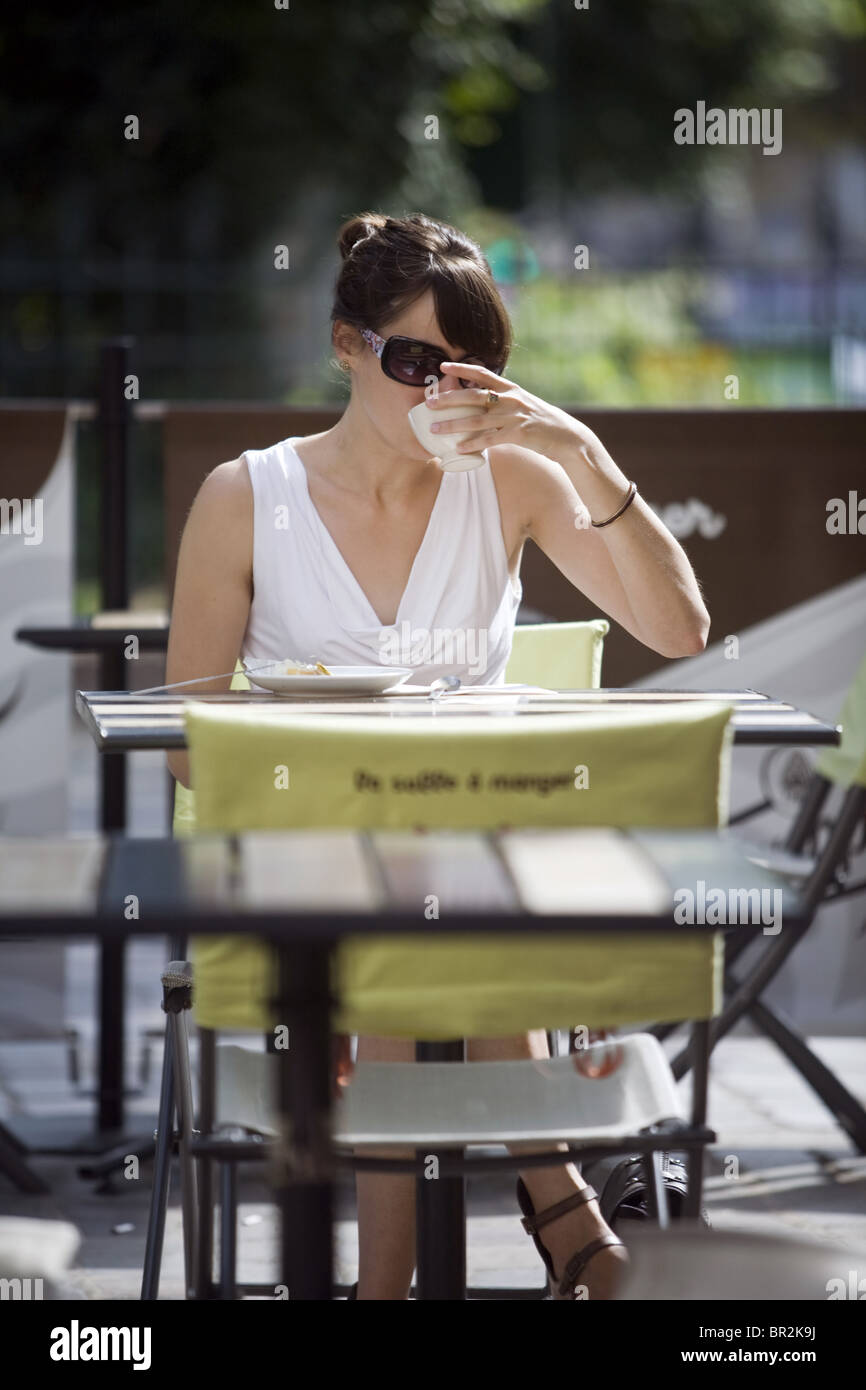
(492, 398)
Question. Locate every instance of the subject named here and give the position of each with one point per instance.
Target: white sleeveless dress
(456, 615)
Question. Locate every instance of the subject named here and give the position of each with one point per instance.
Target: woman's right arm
(213, 587)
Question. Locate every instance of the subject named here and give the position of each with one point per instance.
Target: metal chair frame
(819, 884)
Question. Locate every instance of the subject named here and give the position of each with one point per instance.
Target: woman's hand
(343, 1066)
(517, 417)
(635, 570)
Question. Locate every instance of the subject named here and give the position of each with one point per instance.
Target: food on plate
(310, 668)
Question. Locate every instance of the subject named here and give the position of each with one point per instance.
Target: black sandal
(532, 1222)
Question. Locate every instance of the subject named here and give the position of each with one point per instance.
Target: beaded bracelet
(632, 493)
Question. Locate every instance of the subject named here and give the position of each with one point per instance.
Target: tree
(179, 142)
(618, 70)
(242, 110)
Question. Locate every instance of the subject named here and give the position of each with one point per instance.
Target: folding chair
(654, 767)
(820, 873)
(560, 656)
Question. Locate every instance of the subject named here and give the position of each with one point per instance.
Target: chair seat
(690, 1262)
(456, 1105)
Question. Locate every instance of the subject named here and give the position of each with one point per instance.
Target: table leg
(112, 961)
(700, 1057)
(112, 980)
(305, 1167)
(441, 1211)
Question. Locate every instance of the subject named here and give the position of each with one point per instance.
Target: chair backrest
(184, 815)
(846, 763)
(254, 769)
(270, 769)
(561, 656)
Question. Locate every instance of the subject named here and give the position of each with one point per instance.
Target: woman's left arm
(635, 558)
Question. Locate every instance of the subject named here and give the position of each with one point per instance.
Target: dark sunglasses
(412, 362)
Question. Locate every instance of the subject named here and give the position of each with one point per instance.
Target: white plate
(343, 680)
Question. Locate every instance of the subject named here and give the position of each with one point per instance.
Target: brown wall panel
(198, 438)
(30, 437)
(769, 473)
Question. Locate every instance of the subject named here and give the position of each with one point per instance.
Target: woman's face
(388, 402)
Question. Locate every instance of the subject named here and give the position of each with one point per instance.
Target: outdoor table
(99, 635)
(120, 721)
(80, 886)
(106, 634)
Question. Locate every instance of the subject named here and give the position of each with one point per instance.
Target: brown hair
(389, 262)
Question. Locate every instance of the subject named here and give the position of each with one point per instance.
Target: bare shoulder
(227, 484)
(224, 502)
(526, 481)
(219, 528)
(513, 462)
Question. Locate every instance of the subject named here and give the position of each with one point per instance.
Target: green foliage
(257, 122)
(633, 340)
(622, 340)
(242, 108)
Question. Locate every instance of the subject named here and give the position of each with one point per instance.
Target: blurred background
(157, 157)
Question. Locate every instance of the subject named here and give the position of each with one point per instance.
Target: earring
(345, 365)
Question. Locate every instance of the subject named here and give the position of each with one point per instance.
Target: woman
(374, 540)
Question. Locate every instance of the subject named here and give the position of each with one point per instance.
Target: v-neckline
(341, 557)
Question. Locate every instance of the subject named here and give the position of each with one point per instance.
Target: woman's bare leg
(567, 1234)
(386, 1203)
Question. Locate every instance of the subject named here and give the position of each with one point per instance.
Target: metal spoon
(201, 680)
(438, 688)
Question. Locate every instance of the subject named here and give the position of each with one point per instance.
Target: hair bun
(357, 229)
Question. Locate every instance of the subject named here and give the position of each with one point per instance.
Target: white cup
(444, 446)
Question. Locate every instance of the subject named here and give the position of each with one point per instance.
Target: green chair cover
(257, 769)
(561, 656)
(846, 763)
